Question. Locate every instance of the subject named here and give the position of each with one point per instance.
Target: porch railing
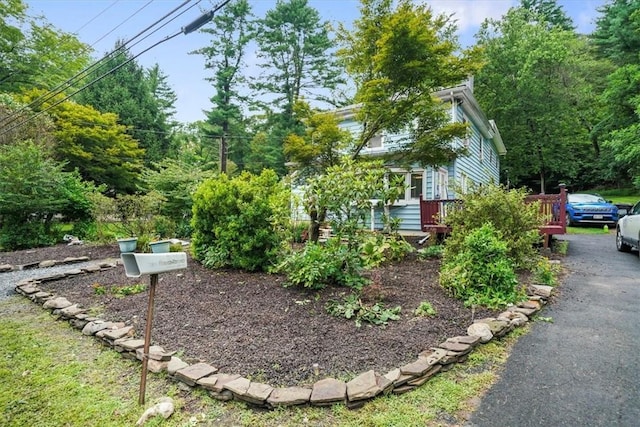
(433, 213)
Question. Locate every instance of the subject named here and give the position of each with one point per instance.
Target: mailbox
(135, 264)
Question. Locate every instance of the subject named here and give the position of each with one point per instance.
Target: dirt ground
(249, 324)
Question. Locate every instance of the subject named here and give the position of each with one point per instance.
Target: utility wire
(122, 23)
(96, 17)
(84, 73)
(193, 26)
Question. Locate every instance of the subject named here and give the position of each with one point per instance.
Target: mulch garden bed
(249, 324)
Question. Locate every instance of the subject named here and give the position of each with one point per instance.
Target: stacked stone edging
(325, 392)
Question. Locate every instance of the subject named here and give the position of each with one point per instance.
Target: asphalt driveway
(584, 368)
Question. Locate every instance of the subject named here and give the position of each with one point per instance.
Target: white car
(628, 230)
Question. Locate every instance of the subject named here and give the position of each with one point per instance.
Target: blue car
(589, 208)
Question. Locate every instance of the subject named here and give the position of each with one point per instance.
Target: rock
(114, 334)
(175, 364)
(72, 260)
(129, 344)
(433, 356)
(535, 305)
(541, 290)
(91, 268)
(257, 393)
(57, 303)
(156, 366)
(481, 330)
(328, 391)
(155, 352)
(74, 272)
(163, 408)
(5, 267)
(384, 383)
(424, 378)
(525, 311)
(364, 386)
(456, 347)
(40, 297)
(514, 317)
(220, 381)
(289, 396)
(52, 277)
(416, 368)
(78, 323)
(208, 383)
(28, 289)
(224, 395)
(465, 339)
(47, 263)
(191, 374)
(239, 386)
(71, 311)
(95, 326)
(403, 389)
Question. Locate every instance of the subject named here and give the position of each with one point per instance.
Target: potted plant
(160, 246)
(128, 244)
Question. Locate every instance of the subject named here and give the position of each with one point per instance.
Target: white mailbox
(135, 264)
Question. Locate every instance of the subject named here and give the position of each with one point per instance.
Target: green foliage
(561, 247)
(175, 181)
(396, 59)
(235, 220)
(34, 189)
(481, 273)
(425, 309)
(617, 34)
(517, 222)
(546, 273)
(431, 251)
(33, 52)
(352, 307)
(130, 93)
(547, 108)
(317, 266)
(125, 290)
(377, 248)
(346, 190)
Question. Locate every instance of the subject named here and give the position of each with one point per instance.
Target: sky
(100, 23)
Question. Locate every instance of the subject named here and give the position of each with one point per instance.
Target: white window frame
(441, 184)
(407, 199)
(381, 137)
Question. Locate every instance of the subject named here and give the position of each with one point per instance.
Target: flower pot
(160, 247)
(128, 244)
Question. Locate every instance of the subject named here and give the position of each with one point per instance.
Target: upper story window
(375, 142)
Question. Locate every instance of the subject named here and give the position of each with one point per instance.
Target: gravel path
(9, 279)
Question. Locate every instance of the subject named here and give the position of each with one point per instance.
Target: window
(467, 138)
(442, 178)
(464, 183)
(416, 185)
(375, 142)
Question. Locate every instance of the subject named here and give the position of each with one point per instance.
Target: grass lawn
(52, 375)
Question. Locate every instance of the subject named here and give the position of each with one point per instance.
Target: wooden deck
(433, 214)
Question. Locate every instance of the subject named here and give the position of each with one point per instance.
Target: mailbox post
(136, 265)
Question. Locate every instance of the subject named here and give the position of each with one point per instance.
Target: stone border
(325, 392)
(4, 268)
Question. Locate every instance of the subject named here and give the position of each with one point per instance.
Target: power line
(97, 16)
(84, 73)
(193, 26)
(122, 23)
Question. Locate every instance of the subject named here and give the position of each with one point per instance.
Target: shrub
(481, 273)
(378, 248)
(317, 266)
(545, 272)
(235, 221)
(516, 221)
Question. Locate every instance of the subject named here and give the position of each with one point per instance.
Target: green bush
(375, 249)
(318, 265)
(481, 273)
(516, 221)
(235, 221)
(431, 251)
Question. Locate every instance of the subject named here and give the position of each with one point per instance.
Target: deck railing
(433, 213)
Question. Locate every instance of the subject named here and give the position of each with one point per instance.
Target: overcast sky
(100, 23)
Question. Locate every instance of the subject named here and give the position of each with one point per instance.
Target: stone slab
(56, 303)
(175, 364)
(328, 391)
(239, 386)
(191, 374)
(362, 387)
(289, 396)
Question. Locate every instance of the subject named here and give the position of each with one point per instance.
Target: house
(480, 166)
